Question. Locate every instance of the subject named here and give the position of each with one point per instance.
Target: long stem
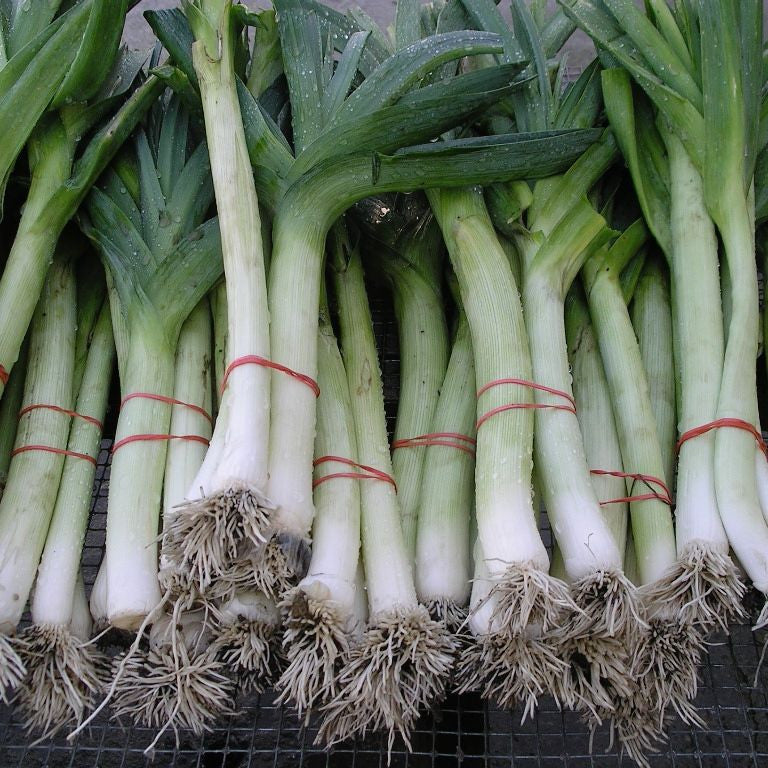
(192, 386)
(735, 480)
(294, 291)
(403, 660)
(506, 522)
(388, 569)
(320, 614)
(244, 459)
(651, 313)
(24, 274)
(136, 480)
(652, 527)
(336, 528)
(582, 535)
(423, 337)
(595, 413)
(60, 563)
(34, 476)
(442, 544)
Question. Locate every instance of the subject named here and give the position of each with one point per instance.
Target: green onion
(595, 414)
(410, 258)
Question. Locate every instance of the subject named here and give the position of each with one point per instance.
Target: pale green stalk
(651, 314)
(595, 414)
(60, 563)
(388, 570)
(34, 475)
(666, 657)
(506, 522)
(136, 477)
(640, 448)
(180, 261)
(65, 674)
(515, 662)
(193, 386)
(234, 487)
(404, 658)
(564, 231)
(320, 617)
(447, 488)
(560, 454)
(423, 343)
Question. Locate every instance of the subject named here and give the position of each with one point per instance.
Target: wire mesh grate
(464, 731)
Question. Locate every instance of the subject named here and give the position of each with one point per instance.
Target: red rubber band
(170, 401)
(66, 411)
(725, 422)
(154, 438)
(531, 385)
(4, 375)
(257, 360)
(447, 439)
(649, 480)
(368, 473)
(50, 449)
(570, 408)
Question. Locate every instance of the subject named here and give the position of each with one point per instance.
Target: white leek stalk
(34, 475)
(403, 659)
(65, 675)
(442, 545)
(602, 633)
(710, 587)
(595, 414)
(233, 491)
(528, 603)
(651, 313)
(319, 614)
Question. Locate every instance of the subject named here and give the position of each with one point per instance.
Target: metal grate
(463, 732)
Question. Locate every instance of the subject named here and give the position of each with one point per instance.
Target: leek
(180, 258)
(65, 674)
(319, 614)
(232, 496)
(445, 505)
(651, 314)
(35, 472)
(402, 661)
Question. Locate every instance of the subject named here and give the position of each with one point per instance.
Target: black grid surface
(464, 731)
